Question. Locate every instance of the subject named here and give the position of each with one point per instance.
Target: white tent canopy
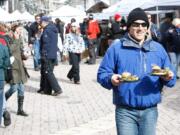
(162, 4)
(65, 13)
(16, 15)
(27, 16)
(158, 5)
(124, 6)
(4, 16)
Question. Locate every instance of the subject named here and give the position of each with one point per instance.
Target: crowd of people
(133, 46)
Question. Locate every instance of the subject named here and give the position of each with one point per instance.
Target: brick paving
(84, 109)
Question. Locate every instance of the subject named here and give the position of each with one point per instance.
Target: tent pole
(157, 13)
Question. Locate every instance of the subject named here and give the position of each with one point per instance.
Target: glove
(12, 59)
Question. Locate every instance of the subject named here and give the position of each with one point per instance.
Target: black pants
(92, 50)
(74, 71)
(48, 79)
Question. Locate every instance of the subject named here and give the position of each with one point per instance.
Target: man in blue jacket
(48, 50)
(136, 102)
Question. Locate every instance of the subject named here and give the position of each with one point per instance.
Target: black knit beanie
(137, 14)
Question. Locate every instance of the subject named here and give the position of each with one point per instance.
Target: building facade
(45, 6)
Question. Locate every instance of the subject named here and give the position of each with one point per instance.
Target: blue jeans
(36, 47)
(16, 87)
(1, 99)
(136, 122)
(175, 60)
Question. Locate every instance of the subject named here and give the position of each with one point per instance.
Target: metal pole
(85, 5)
(157, 12)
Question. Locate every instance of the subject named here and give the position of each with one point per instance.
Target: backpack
(8, 70)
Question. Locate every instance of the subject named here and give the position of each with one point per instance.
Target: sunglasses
(135, 24)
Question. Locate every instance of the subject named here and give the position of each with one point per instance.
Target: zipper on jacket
(143, 67)
(141, 63)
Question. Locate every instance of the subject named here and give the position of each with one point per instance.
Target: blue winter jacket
(4, 60)
(126, 55)
(48, 41)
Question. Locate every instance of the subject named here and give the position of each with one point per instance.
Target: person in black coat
(48, 50)
(33, 40)
(60, 27)
(165, 25)
(118, 28)
(173, 36)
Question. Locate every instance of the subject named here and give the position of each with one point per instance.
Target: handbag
(8, 74)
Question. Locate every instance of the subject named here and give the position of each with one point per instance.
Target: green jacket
(4, 60)
(18, 71)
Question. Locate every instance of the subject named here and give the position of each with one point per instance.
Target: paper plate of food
(128, 77)
(157, 71)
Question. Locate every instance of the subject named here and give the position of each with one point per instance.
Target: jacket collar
(128, 41)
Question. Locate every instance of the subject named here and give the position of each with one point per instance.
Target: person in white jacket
(74, 45)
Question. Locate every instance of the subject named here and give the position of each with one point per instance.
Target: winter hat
(117, 16)
(137, 14)
(45, 18)
(91, 16)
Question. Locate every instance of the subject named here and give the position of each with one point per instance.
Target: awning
(97, 7)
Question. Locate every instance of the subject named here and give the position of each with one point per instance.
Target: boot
(7, 118)
(20, 106)
(7, 95)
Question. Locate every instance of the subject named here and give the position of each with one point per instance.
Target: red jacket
(93, 29)
(2, 41)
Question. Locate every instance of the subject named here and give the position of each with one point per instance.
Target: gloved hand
(12, 59)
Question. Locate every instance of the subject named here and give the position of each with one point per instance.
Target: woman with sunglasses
(135, 99)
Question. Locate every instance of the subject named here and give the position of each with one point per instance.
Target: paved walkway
(84, 109)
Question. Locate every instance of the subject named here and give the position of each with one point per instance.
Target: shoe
(56, 93)
(37, 69)
(40, 91)
(77, 82)
(86, 62)
(70, 78)
(91, 63)
(47, 92)
(7, 118)
(22, 113)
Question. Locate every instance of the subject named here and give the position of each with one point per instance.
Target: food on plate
(125, 74)
(128, 77)
(156, 70)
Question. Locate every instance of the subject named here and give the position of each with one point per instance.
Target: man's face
(73, 29)
(19, 30)
(138, 30)
(149, 18)
(38, 19)
(178, 25)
